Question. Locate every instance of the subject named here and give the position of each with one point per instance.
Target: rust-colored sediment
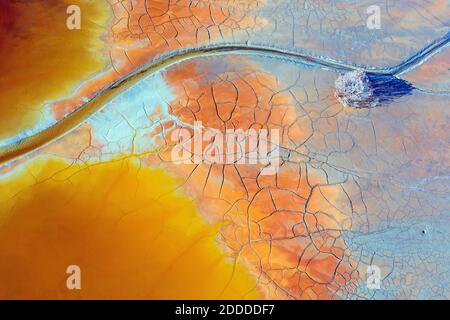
(41, 59)
(284, 226)
(111, 220)
(140, 31)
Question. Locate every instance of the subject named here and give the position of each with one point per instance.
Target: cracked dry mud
(93, 182)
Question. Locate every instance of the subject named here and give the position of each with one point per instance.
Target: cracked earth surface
(355, 187)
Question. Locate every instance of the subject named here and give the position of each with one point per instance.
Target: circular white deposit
(353, 90)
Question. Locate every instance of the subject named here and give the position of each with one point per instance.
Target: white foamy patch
(353, 90)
